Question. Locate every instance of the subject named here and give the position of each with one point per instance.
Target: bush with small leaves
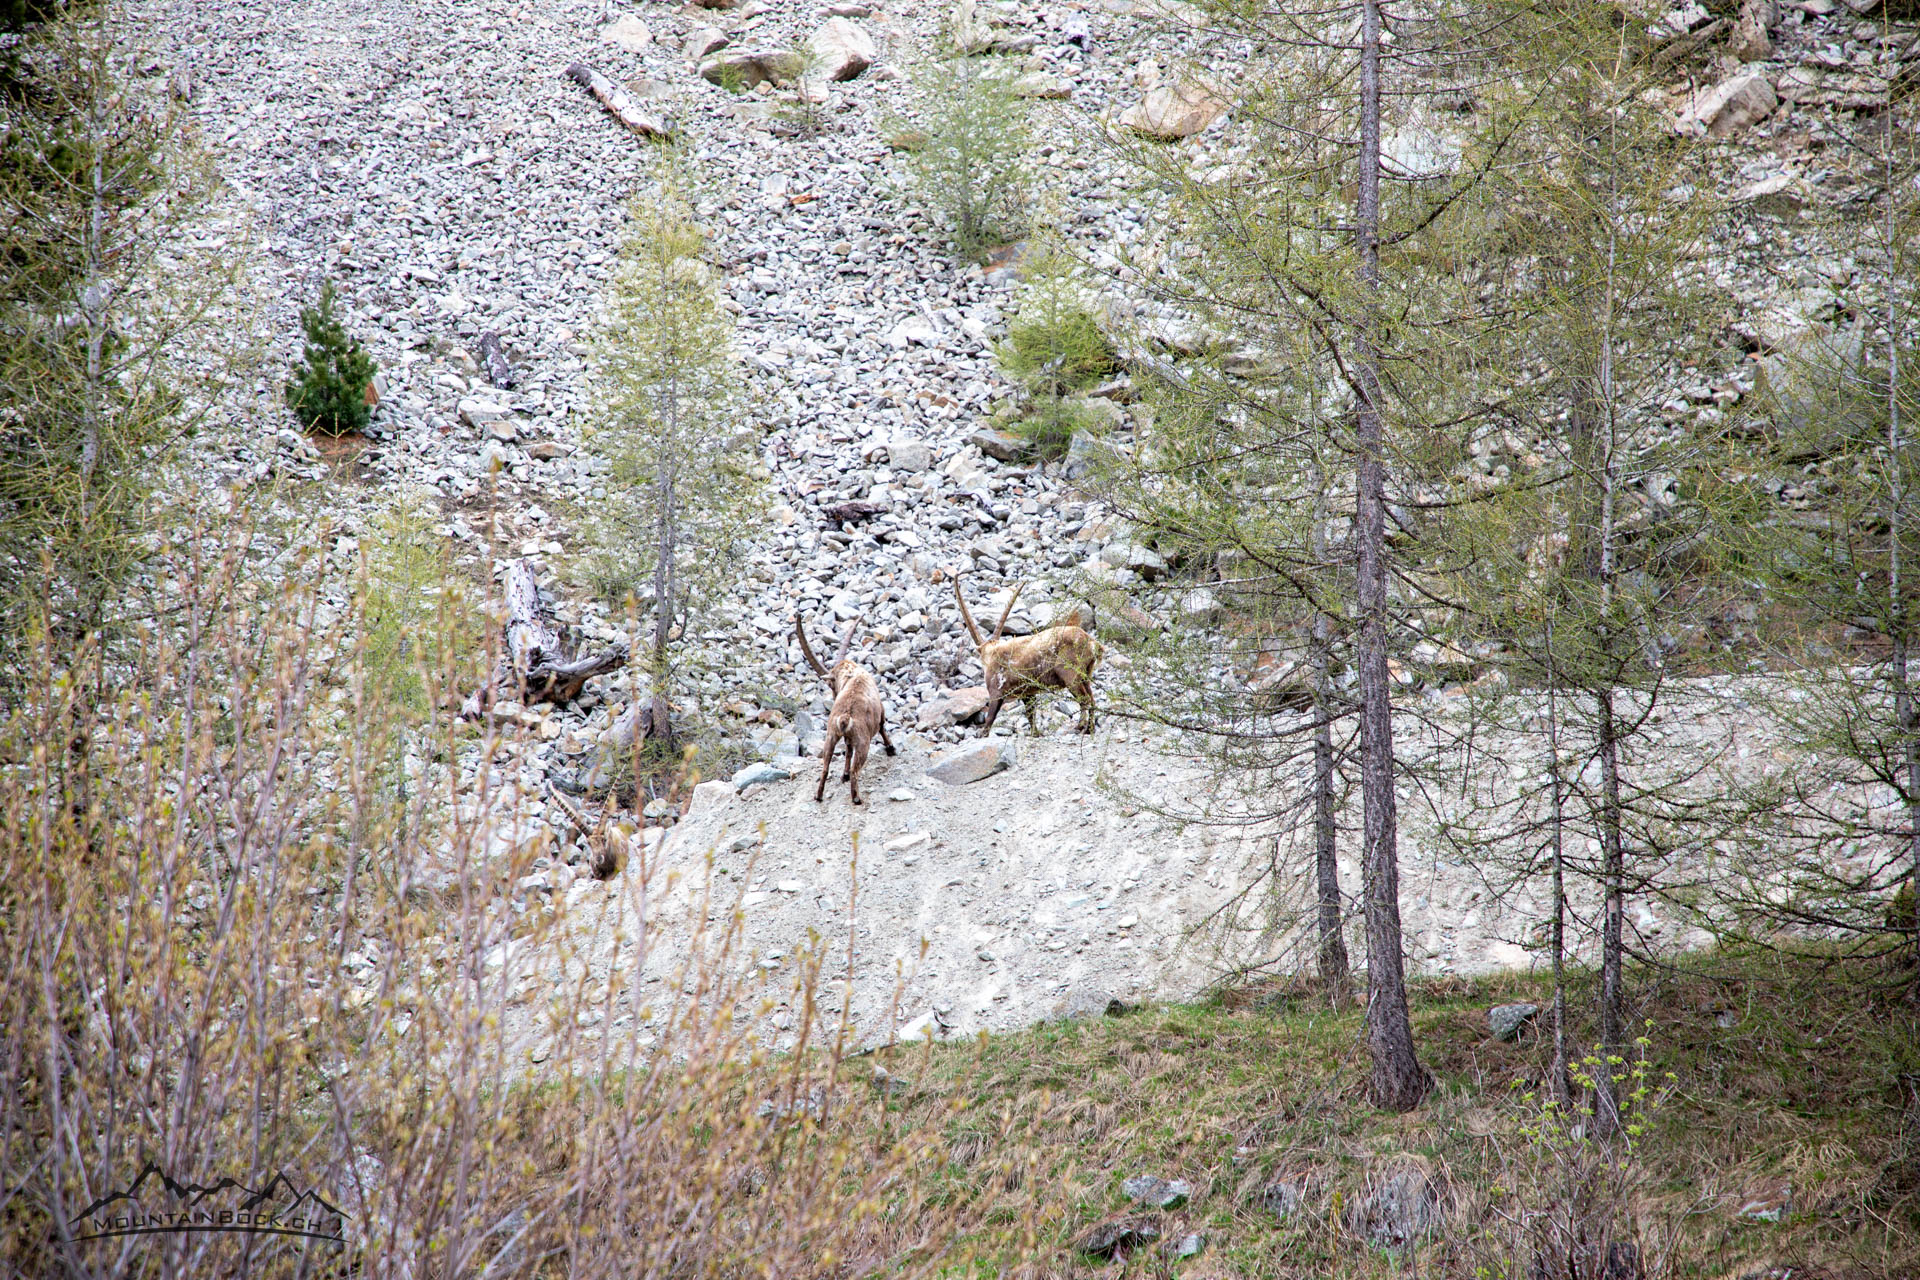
(1055, 349)
(329, 393)
(968, 162)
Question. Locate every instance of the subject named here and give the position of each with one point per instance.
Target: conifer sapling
(329, 393)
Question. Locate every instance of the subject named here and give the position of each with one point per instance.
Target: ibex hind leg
(826, 764)
(1033, 723)
(856, 761)
(885, 741)
(1083, 694)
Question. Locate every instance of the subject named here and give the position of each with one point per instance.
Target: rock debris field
(437, 161)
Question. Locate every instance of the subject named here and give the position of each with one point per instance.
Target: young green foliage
(1830, 529)
(968, 164)
(95, 295)
(685, 485)
(1054, 348)
(329, 392)
(1581, 517)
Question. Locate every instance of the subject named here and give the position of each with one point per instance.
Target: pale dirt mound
(1054, 879)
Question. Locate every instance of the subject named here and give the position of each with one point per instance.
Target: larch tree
(683, 488)
(1339, 280)
(1831, 532)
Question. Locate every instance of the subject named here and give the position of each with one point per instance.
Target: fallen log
(847, 513)
(618, 103)
(499, 372)
(533, 665)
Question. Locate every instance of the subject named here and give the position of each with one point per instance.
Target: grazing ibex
(606, 843)
(857, 712)
(1024, 667)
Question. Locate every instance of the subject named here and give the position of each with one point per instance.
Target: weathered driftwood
(642, 721)
(847, 513)
(533, 665)
(619, 104)
(499, 372)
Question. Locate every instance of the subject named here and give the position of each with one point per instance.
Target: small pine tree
(330, 393)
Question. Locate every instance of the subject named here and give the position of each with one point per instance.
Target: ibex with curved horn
(857, 712)
(606, 843)
(1024, 667)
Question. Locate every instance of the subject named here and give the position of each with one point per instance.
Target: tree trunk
(494, 356)
(1560, 1086)
(1398, 1082)
(533, 665)
(1606, 1101)
(1896, 520)
(617, 102)
(1335, 968)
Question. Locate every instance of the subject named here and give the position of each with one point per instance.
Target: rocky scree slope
(437, 162)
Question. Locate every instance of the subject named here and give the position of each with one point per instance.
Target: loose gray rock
(1001, 445)
(1117, 1236)
(1402, 1209)
(1173, 111)
(1282, 1198)
(1089, 1002)
(749, 67)
(1157, 1193)
(629, 33)
(759, 772)
(1506, 1021)
(1730, 106)
(840, 50)
(705, 41)
(909, 455)
(972, 763)
(957, 706)
(1186, 1246)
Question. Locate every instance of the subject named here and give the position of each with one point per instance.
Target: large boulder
(840, 50)
(1730, 106)
(745, 68)
(1507, 1020)
(1169, 112)
(956, 706)
(973, 762)
(1001, 445)
(629, 33)
(1401, 1208)
(705, 41)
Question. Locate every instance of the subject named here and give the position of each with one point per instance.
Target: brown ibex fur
(857, 712)
(1024, 667)
(606, 843)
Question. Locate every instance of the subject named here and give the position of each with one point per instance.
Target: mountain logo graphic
(156, 1203)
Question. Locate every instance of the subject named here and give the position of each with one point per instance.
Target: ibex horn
(806, 648)
(1008, 611)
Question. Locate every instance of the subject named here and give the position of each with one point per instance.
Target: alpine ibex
(1024, 667)
(857, 712)
(606, 843)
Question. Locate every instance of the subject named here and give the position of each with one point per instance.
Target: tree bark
(617, 102)
(494, 356)
(1606, 1101)
(1335, 968)
(533, 665)
(1560, 1086)
(1904, 711)
(1398, 1082)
